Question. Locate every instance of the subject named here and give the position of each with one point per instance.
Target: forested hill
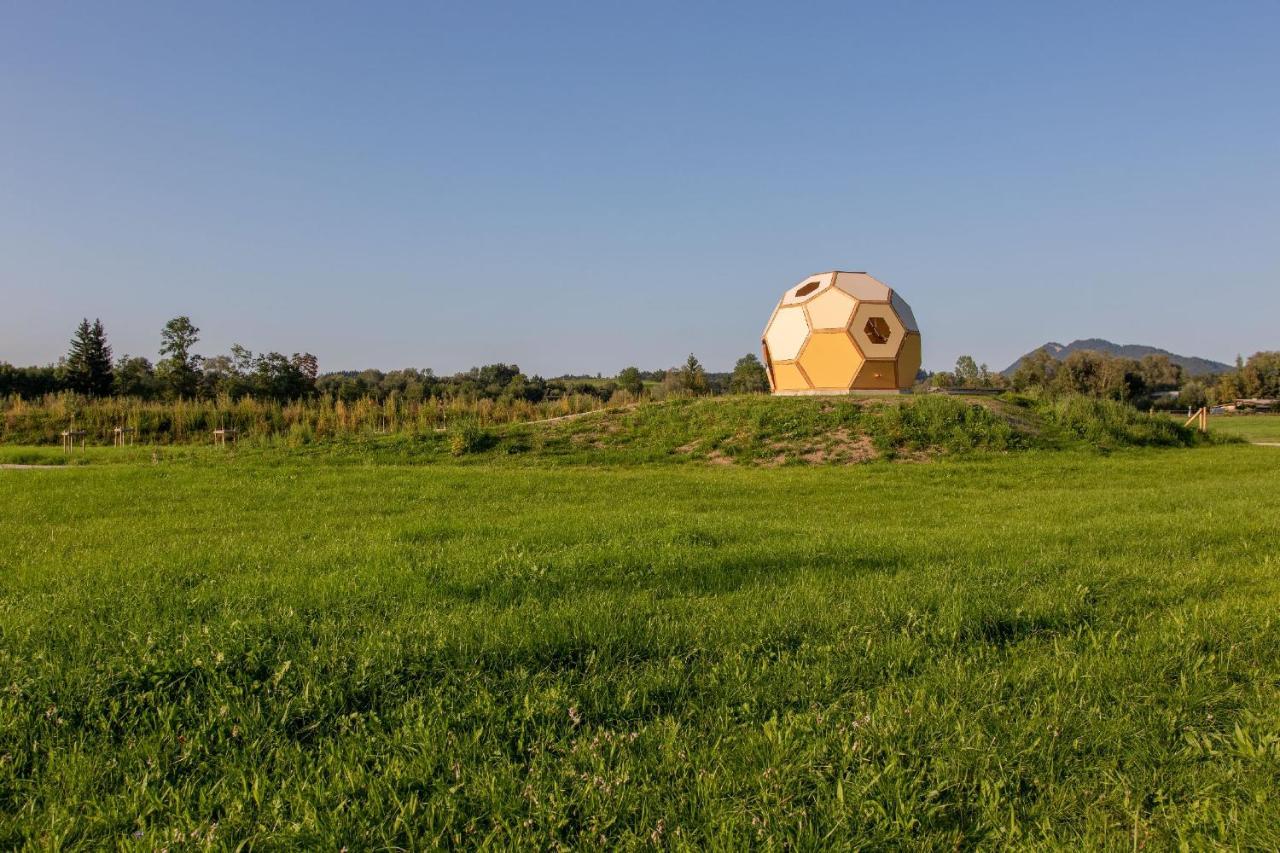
(1193, 365)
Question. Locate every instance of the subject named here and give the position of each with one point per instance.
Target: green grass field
(1250, 427)
(1039, 648)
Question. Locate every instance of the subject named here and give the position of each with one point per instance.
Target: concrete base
(892, 392)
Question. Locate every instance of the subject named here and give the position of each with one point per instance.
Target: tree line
(89, 369)
(1150, 380)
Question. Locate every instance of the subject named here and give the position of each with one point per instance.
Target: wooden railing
(1200, 418)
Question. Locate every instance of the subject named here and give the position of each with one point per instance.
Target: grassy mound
(746, 430)
(775, 431)
(769, 431)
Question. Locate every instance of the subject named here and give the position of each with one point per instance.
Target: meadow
(298, 649)
(1264, 428)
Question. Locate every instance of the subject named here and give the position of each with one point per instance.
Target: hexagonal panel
(830, 359)
(787, 377)
(877, 330)
(878, 375)
(909, 360)
(903, 310)
(862, 287)
(786, 333)
(807, 289)
(830, 309)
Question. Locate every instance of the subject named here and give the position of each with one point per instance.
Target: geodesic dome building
(837, 332)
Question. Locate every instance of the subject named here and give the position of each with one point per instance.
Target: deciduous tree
(179, 371)
(629, 380)
(749, 376)
(135, 377)
(967, 371)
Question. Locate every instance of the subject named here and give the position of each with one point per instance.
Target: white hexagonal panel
(830, 309)
(786, 333)
(862, 287)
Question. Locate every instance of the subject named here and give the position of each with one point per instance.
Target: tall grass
(944, 423)
(1108, 424)
(302, 421)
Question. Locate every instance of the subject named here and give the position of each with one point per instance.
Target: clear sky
(579, 187)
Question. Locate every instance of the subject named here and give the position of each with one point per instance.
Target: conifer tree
(88, 364)
(693, 378)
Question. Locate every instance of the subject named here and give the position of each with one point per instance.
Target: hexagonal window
(877, 330)
(807, 288)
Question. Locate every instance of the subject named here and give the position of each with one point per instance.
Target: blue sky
(579, 187)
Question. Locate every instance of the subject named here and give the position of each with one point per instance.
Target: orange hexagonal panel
(879, 375)
(830, 309)
(830, 360)
(909, 360)
(877, 330)
(788, 377)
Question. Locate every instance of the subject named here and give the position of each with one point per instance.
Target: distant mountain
(1192, 365)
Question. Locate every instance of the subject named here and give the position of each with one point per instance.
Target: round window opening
(877, 330)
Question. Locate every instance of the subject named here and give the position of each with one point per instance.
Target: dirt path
(15, 466)
(624, 408)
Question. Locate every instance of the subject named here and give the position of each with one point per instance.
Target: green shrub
(467, 436)
(301, 433)
(1108, 424)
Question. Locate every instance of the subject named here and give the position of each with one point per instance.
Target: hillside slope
(770, 431)
(1193, 365)
(734, 430)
